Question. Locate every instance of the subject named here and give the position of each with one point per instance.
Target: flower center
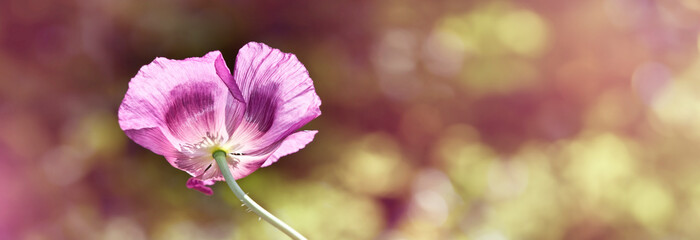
(208, 145)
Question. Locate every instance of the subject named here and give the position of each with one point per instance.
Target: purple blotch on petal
(262, 107)
(235, 111)
(259, 67)
(191, 111)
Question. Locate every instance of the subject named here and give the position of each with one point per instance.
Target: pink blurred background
(484, 120)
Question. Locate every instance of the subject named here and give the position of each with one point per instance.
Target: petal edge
(291, 144)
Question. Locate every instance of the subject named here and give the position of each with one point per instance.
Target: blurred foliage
(465, 120)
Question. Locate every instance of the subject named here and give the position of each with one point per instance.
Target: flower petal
(245, 165)
(194, 112)
(225, 75)
(182, 98)
(151, 139)
(235, 110)
(291, 144)
(279, 94)
(239, 168)
(235, 107)
(200, 185)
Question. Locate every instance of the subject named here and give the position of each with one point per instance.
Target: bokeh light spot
(523, 32)
(444, 53)
(367, 163)
(650, 203)
(600, 166)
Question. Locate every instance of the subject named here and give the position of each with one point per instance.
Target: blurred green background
(479, 120)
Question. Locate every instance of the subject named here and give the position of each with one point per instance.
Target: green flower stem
(220, 157)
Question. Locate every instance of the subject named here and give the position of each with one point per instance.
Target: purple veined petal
(195, 111)
(235, 111)
(279, 94)
(235, 107)
(185, 99)
(291, 144)
(225, 75)
(153, 139)
(246, 165)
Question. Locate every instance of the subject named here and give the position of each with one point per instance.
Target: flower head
(188, 109)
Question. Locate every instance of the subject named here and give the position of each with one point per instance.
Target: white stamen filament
(208, 145)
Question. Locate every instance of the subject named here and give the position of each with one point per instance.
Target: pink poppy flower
(187, 109)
